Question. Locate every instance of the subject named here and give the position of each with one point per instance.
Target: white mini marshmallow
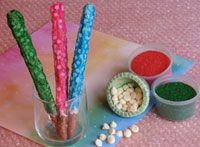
(119, 106)
(114, 98)
(102, 137)
(113, 124)
(127, 133)
(112, 131)
(130, 85)
(134, 128)
(138, 90)
(105, 126)
(98, 143)
(114, 91)
(119, 133)
(120, 91)
(120, 96)
(122, 101)
(139, 96)
(111, 139)
(133, 95)
(125, 87)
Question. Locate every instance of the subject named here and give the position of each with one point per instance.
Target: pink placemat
(174, 23)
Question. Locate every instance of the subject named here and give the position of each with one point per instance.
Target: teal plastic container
(175, 110)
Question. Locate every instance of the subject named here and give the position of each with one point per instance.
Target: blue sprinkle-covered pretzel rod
(81, 51)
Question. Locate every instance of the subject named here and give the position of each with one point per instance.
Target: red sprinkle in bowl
(155, 62)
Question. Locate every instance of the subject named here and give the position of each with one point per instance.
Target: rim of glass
(148, 47)
(36, 96)
(175, 78)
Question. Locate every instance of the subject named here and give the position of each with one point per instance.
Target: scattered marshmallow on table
(127, 98)
(127, 133)
(111, 139)
(98, 143)
(113, 124)
(134, 128)
(102, 137)
(105, 126)
(119, 133)
(111, 131)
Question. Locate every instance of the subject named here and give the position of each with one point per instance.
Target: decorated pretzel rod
(59, 44)
(16, 23)
(79, 63)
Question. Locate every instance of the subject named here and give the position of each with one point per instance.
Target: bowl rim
(141, 83)
(175, 78)
(151, 47)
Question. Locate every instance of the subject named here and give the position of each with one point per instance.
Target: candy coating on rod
(16, 23)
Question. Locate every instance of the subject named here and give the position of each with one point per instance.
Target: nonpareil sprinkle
(150, 63)
(175, 91)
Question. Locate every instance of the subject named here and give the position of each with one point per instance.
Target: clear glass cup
(43, 122)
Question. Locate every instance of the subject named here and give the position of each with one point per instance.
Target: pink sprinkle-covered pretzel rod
(59, 42)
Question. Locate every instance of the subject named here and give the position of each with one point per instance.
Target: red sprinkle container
(151, 62)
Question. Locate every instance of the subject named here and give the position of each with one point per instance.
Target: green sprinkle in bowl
(124, 78)
(171, 109)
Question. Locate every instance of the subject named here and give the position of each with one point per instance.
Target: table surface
(174, 23)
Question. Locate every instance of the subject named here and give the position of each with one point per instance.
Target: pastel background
(16, 86)
(173, 23)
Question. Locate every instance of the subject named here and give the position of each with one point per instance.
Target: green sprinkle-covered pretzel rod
(16, 23)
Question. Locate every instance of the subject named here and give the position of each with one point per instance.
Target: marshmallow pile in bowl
(128, 94)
